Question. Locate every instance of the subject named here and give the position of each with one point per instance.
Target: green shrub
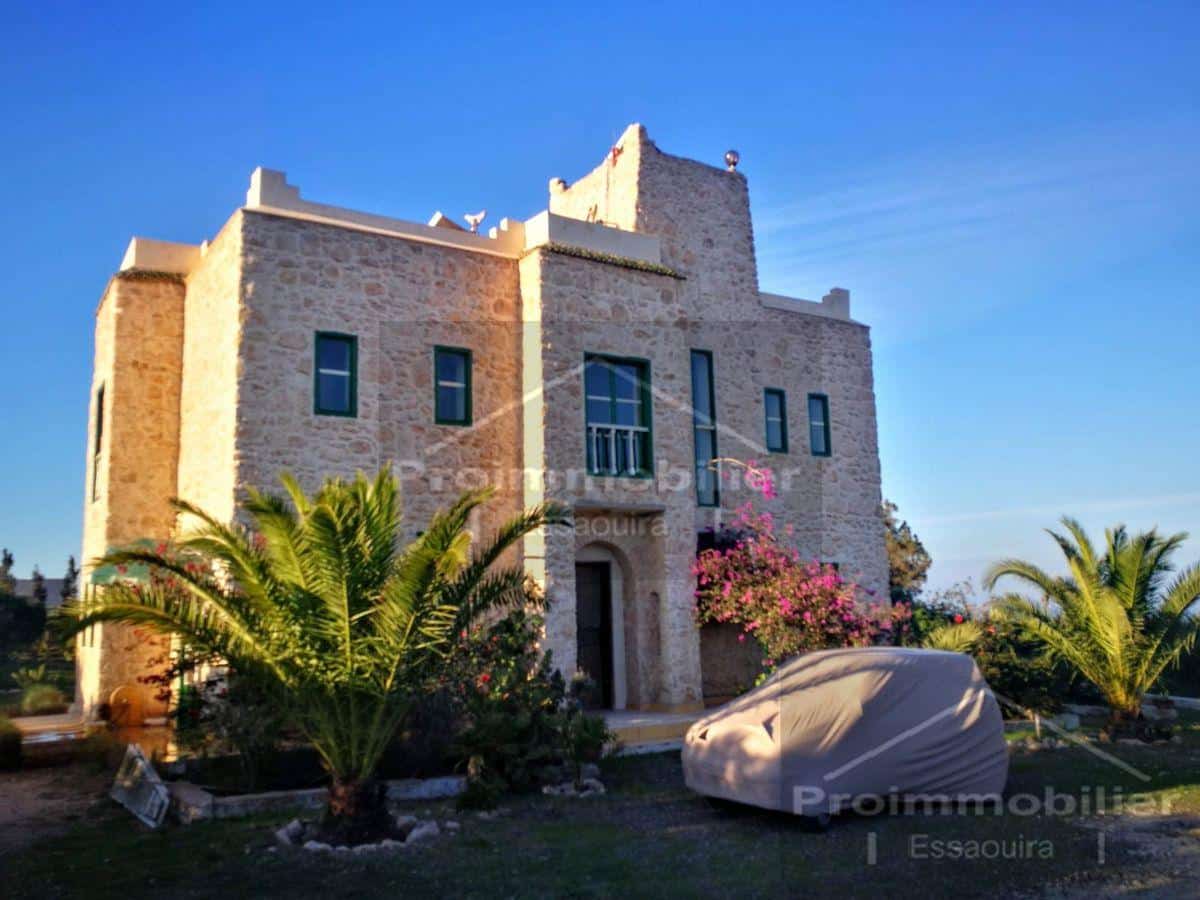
(226, 713)
(1019, 672)
(511, 700)
(42, 699)
(584, 738)
(28, 677)
(10, 745)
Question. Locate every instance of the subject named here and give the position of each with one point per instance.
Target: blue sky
(1011, 193)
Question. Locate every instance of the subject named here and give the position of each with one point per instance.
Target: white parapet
(160, 256)
(551, 228)
(834, 305)
(270, 192)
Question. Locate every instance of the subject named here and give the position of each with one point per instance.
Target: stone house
(602, 353)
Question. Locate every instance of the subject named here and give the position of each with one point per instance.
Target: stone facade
(649, 256)
(132, 459)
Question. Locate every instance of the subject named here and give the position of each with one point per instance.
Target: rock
(317, 847)
(426, 788)
(452, 825)
(405, 824)
(1066, 721)
(424, 831)
(1175, 739)
(289, 835)
(591, 786)
(1154, 713)
(589, 771)
(487, 814)
(389, 844)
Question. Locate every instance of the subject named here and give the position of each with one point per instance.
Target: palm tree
(1115, 618)
(960, 637)
(319, 603)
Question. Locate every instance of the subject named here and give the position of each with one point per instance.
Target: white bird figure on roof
(474, 220)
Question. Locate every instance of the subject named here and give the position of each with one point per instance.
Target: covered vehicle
(836, 726)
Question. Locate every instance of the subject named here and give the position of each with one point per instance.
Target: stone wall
(831, 504)
(731, 662)
(139, 336)
(209, 401)
(400, 299)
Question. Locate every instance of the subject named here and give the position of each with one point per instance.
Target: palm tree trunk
(357, 812)
(1123, 723)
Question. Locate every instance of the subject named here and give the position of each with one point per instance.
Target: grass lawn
(647, 837)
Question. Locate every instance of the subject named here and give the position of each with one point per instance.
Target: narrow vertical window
(97, 443)
(335, 384)
(775, 410)
(452, 386)
(818, 424)
(617, 416)
(704, 428)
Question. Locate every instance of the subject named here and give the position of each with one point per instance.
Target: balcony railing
(616, 449)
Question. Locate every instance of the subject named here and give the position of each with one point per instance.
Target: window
(704, 428)
(97, 443)
(335, 384)
(617, 400)
(818, 424)
(452, 386)
(775, 409)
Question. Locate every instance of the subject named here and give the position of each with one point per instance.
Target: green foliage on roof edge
(614, 260)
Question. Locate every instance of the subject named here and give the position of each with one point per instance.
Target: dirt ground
(38, 803)
(1166, 867)
(1149, 858)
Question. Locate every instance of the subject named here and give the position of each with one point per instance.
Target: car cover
(835, 726)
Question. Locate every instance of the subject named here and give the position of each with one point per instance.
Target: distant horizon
(1009, 195)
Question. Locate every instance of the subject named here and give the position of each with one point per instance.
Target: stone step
(637, 728)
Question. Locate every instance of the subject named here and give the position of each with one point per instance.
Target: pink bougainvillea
(787, 604)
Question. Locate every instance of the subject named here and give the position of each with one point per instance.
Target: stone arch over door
(633, 546)
(620, 577)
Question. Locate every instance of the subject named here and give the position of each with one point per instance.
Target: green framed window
(818, 425)
(451, 386)
(97, 443)
(335, 375)
(617, 416)
(775, 413)
(704, 429)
